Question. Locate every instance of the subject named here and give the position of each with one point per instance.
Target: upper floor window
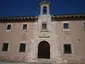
(9, 27)
(5, 47)
(44, 26)
(24, 26)
(67, 49)
(65, 25)
(44, 10)
(22, 47)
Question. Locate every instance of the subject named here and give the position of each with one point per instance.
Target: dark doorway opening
(44, 50)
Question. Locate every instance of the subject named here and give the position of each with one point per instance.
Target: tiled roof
(19, 18)
(36, 17)
(69, 17)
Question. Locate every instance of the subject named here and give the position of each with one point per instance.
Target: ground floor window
(5, 47)
(22, 47)
(67, 49)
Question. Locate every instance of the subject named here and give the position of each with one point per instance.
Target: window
(84, 24)
(44, 26)
(67, 49)
(24, 26)
(9, 27)
(5, 47)
(66, 25)
(44, 10)
(22, 47)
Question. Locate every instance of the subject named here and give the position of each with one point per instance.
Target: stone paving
(22, 63)
(35, 63)
(42, 62)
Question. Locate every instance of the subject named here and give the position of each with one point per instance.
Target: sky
(31, 7)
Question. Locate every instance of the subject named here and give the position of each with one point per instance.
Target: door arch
(44, 50)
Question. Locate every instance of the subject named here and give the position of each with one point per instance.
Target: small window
(5, 47)
(24, 26)
(9, 27)
(66, 25)
(67, 49)
(44, 26)
(22, 47)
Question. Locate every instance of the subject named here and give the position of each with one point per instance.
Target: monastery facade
(53, 38)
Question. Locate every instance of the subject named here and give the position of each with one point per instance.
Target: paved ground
(13, 63)
(22, 63)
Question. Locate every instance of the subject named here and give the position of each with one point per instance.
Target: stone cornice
(45, 2)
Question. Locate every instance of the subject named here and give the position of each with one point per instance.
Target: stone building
(53, 38)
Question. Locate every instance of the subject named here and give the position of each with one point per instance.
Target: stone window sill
(66, 29)
(8, 30)
(44, 30)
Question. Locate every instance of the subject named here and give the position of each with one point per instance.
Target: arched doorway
(44, 50)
